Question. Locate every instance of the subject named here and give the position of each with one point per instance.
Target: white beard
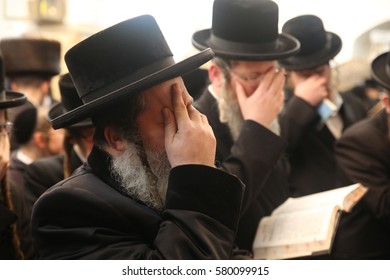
(148, 185)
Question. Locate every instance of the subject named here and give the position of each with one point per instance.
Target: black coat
(88, 217)
(7, 219)
(257, 159)
(364, 153)
(38, 177)
(310, 148)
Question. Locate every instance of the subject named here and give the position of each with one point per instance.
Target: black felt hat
(69, 101)
(123, 59)
(246, 30)
(380, 69)
(317, 45)
(31, 56)
(9, 99)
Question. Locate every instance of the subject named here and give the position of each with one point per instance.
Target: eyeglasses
(319, 70)
(6, 128)
(254, 78)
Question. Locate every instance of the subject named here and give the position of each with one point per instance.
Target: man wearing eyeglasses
(243, 101)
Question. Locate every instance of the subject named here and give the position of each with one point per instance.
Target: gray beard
(148, 184)
(230, 113)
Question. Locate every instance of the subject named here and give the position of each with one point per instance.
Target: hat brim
(286, 46)
(12, 99)
(58, 109)
(301, 62)
(378, 70)
(89, 109)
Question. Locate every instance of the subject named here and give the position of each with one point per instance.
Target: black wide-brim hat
(380, 70)
(123, 59)
(318, 46)
(69, 101)
(246, 30)
(10, 99)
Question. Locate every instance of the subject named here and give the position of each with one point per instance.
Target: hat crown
(117, 56)
(246, 30)
(310, 32)
(69, 96)
(31, 56)
(380, 70)
(245, 21)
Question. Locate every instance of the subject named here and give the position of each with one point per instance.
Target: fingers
(278, 83)
(183, 112)
(5, 151)
(5, 148)
(268, 79)
(169, 124)
(179, 108)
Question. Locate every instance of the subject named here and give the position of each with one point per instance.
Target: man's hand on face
(189, 139)
(5, 151)
(313, 89)
(265, 103)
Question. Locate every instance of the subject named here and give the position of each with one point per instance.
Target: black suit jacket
(310, 147)
(364, 153)
(257, 159)
(87, 216)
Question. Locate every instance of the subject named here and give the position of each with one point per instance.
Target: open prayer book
(306, 225)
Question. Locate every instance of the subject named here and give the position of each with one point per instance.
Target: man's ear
(215, 75)
(114, 140)
(386, 102)
(40, 139)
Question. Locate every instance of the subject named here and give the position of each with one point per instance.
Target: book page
(317, 200)
(297, 227)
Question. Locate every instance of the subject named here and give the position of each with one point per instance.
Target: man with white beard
(243, 101)
(150, 188)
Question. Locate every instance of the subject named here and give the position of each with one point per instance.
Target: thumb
(169, 123)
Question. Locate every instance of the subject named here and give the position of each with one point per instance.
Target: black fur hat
(31, 56)
(9, 99)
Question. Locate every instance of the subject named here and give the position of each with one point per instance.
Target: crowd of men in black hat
(149, 170)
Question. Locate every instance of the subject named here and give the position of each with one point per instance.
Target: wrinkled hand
(265, 103)
(313, 90)
(189, 139)
(5, 151)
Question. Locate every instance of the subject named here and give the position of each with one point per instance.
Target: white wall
(178, 19)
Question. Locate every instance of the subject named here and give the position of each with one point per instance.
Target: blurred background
(363, 26)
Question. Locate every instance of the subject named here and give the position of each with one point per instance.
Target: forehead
(160, 95)
(317, 69)
(254, 65)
